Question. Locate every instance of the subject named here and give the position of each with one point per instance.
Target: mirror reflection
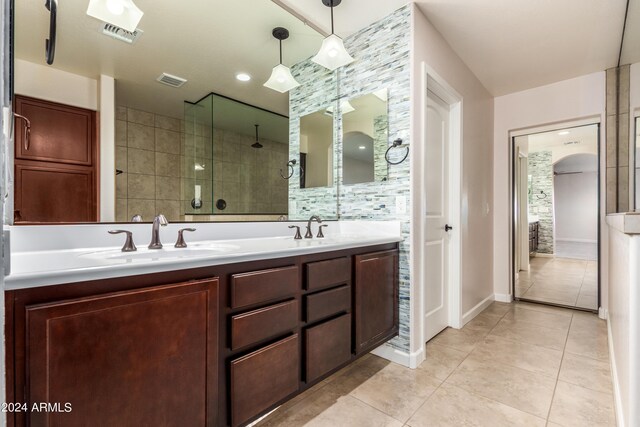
(316, 149)
(365, 131)
(636, 153)
(127, 119)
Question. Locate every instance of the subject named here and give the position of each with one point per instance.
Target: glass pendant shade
(332, 53)
(122, 13)
(281, 79)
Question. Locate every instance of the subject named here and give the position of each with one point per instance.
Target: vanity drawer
(263, 286)
(263, 378)
(257, 325)
(328, 346)
(324, 274)
(327, 303)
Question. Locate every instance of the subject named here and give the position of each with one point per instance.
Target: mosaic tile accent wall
(541, 170)
(382, 61)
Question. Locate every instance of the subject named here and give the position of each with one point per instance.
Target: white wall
(477, 161)
(576, 207)
(578, 98)
(624, 317)
(50, 84)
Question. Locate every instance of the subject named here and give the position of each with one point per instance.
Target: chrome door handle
(447, 228)
(27, 130)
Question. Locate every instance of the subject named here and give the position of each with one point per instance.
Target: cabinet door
(376, 298)
(50, 192)
(59, 133)
(129, 358)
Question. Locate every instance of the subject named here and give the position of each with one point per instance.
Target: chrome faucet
(309, 234)
(136, 218)
(155, 231)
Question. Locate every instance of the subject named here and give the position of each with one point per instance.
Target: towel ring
(291, 170)
(542, 195)
(396, 143)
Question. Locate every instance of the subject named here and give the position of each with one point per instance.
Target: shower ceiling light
(332, 53)
(122, 13)
(243, 77)
(281, 78)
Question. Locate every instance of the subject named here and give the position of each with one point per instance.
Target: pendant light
(257, 143)
(332, 53)
(281, 78)
(121, 13)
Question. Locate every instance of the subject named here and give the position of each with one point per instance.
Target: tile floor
(513, 365)
(570, 282)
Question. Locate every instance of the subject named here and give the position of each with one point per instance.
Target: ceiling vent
(121, 34)
(170, 80)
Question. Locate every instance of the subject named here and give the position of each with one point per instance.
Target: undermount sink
(164, 253)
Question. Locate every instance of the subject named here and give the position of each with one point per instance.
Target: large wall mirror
(365, 132)
(190, 131)
(316, 149)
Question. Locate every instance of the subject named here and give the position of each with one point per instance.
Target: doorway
(556, 214)
(439, 165)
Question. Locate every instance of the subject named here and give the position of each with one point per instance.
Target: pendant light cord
(332, 32)
(280, 53)
(257, 140)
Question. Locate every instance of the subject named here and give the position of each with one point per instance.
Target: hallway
(513, 365)
(564, 281)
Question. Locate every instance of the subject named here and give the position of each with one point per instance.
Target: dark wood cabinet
(127, 358)
(376, 297)
(264, 377)
(327, 346)
(55, 163)
(179, 348)
(534, 236)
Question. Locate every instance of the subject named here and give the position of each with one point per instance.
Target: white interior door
(436, 238)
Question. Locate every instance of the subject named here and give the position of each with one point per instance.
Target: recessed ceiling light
(564, 132)
(362, 147)
(243, 77)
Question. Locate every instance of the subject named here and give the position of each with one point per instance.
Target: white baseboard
(541, 255)
(620, 421)
(410, 360)
(577, 240)
(603, 313)
(503, 298)
(469, 315)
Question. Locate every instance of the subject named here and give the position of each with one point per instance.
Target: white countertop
(628, 222)
(66, 262)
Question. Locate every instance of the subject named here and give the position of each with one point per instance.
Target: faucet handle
(298, 236)
(180, 243)
(129, 246)
(136, 218)
(320, 234)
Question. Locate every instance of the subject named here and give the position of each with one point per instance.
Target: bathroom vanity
(218, 344)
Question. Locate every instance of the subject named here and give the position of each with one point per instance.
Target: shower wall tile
(141, 136)
(167, 165)
(141, 161)
(121, 113)
(167, 188)
(382, 62)
(121, 133)
(168, 141)
(167, 123)
(141, 187)
(140, 117)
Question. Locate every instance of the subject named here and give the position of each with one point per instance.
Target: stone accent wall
(541, 170)
(382, 62)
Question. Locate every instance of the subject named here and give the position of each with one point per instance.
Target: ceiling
(577, 163)
(585, 136)
(510, 45)
(207, 42)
